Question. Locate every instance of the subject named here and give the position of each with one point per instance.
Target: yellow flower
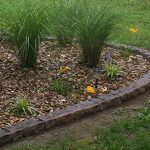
(133, 30)
(90, 90)
(63, 69)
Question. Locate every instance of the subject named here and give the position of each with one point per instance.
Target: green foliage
(93, 28)
(112, 71)
(22, 106)
(62, 87)
(26, 22)
(129, 12)
(125, 53)
(63, 23)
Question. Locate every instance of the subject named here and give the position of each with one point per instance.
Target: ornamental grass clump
(26, 22)
(22, 106)
(62, 87)
(112, 71)
(63, 24)
(93, 30)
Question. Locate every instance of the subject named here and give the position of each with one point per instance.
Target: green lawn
(131, 14)
(131, 134)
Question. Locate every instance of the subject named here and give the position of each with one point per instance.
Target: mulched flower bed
(37, 83)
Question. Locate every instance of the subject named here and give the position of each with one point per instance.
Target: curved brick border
(52, 119)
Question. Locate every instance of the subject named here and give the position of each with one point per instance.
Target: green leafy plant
(22, 106)
(112, 71)
(93, 28)
(26, 22)
(62, 87)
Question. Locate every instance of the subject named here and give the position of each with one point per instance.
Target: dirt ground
(85, 127)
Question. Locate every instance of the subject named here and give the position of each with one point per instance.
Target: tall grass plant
(64, 21)
(93, 28)
(27, 22)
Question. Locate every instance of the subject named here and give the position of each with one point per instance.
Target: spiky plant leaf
(93, 28)
(26, 22)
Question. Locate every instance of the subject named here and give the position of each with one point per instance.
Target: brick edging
(145, 53)
(52, 119)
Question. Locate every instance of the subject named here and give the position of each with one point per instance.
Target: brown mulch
(36, 83)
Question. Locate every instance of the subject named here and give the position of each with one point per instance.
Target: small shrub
(62, 87)
(22, 106)
(112, 71)
(93, 28)
(26, 22)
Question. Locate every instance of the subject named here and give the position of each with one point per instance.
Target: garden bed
(55, 63)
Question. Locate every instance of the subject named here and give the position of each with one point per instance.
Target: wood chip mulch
(36, 83)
